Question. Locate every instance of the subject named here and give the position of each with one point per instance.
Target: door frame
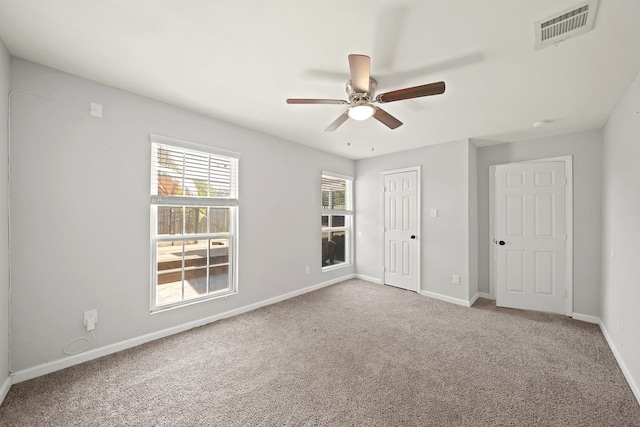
(568, 174)
(418, 170)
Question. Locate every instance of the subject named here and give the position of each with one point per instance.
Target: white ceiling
(239, 60)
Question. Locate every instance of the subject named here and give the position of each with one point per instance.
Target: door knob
(501, 243)
(413, 236)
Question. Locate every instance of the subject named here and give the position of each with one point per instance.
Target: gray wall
(80, 213)
(621, 231)
(586, 149)
(444, 240)
(4, 221)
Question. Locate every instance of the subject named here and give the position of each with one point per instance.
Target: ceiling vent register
(568, 23)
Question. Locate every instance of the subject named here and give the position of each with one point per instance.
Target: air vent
(568, 23)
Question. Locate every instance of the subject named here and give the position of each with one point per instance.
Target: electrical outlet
(90, 319)
(456, 279)
(307, 270)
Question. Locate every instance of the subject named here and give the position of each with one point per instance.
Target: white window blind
(336, 194)
(196, 177)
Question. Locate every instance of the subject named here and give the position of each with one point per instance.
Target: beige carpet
(350, 354)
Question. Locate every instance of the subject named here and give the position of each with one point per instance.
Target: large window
(337, 218)
(194, 211)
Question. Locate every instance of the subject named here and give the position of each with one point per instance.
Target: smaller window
(336, 220)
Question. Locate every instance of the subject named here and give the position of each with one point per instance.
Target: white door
(400, 230)
(531, 236)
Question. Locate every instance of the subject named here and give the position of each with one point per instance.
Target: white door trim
(418, 170)
(568, 173)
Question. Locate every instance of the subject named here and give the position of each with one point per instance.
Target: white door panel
(400, 222)
(531, 236)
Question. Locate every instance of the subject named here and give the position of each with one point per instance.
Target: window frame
(231, 202)
(348, 214)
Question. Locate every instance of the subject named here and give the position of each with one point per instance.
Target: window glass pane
(333, 248)
(169, 276)
(219, 220)
(169, 220)
(169, 288)
(195, 220)
(325, 220)
(328, 250)
(195, 253)
(337, 220)
(218, 278)
(195, 282)
(219, 251)
(169, 255)
(339, 238)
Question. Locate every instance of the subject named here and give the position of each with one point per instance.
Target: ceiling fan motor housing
(362, 97)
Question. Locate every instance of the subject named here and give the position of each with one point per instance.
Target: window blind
(192, 177)
(336, 194)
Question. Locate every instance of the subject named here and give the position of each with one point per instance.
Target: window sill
(335, 267)
(168, 307)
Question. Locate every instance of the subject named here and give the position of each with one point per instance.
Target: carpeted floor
(351, 354)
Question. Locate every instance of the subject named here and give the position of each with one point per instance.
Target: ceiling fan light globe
(361, 112)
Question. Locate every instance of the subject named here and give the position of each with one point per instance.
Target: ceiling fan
(361, 89)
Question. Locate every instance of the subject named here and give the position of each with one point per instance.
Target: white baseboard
(474, 299)
(368, 279)
(586, 318)
(56, 365)
(623, 367)
(446, 298)
(484, 295)
(4, 389)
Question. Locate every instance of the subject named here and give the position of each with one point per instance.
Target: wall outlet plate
(90, 319)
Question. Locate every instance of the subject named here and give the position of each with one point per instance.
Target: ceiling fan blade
(412, 92)
(315, 101)
(359, 66)
(337, 122)
(386, 119)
